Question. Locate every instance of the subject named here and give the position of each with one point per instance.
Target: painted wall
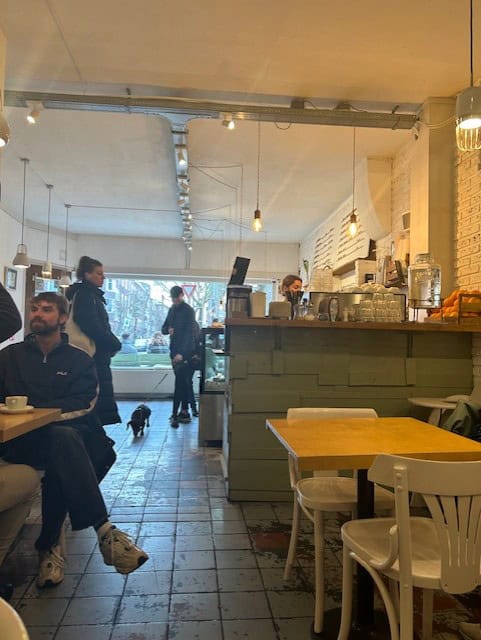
(208, 258)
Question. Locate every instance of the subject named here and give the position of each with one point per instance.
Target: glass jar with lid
(424, 282)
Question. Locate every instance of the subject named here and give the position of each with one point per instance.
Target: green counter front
(277, 364)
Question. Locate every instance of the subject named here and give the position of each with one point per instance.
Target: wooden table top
(14, 425)
(353, 443)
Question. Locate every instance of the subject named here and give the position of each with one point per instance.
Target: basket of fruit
(461, 306)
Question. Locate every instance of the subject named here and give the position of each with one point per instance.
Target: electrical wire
(64, 39)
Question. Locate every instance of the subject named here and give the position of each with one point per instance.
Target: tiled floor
(215, 568)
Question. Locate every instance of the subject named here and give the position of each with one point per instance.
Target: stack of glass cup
(383, 307)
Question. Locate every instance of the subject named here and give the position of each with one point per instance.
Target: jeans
(69, 484)
(183, 384)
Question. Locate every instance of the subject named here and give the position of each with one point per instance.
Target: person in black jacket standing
(180, 325)
(53, 373)
(91, 316)
(10, 320)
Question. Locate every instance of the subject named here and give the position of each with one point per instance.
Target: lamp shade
(47, 269)
(21, 260)
(4, 131)
(468, 119)
(64, 281)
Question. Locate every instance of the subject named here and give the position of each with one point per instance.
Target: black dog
(139, 419)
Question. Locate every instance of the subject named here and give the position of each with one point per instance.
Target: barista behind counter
(291, 289)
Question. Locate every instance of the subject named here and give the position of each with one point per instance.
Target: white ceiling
(118, 170)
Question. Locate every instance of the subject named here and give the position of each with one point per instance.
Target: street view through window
(138, 307)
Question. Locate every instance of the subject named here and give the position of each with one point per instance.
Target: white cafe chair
(11, 625)
(326, 491)
(438, 552)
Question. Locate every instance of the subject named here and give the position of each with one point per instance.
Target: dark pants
(183, 384)
(69, 484)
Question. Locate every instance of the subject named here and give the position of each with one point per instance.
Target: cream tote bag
(76, 336)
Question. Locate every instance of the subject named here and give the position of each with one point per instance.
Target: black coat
(91, 316)
(181, 318)
(10, 320)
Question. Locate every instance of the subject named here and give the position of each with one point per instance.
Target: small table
(435, 404)
(14, 425)
(353, 443)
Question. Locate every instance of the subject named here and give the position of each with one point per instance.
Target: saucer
(27, 409)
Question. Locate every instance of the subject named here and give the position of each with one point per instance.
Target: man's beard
(40, 328)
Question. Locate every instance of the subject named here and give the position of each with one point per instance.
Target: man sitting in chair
(18, 482)
(52, 373)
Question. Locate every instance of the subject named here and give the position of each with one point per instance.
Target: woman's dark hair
(86, 265)
(288, 280)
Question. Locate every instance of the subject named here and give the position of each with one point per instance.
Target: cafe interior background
(132, 128)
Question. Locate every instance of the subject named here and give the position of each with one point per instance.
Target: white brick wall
(400, 196)
(467, 240)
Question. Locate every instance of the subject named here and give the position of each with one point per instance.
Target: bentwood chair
(325, 492)
(11, 625)
(441, 552)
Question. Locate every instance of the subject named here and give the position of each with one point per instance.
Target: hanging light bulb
(47, 265)
(21, 260)
(468, 105)
(65, 281)
(257, 221)
(353, 227)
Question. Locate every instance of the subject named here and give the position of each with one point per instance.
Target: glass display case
(212, 378)
(212, 386)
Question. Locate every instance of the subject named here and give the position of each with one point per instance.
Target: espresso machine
(238, 294)
(238, 301)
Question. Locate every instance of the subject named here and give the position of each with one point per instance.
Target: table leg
(365, 587)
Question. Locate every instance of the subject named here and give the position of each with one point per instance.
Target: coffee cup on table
(16, 402)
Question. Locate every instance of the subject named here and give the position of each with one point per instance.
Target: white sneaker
(51, 567)
(470, 631)
(120, 551)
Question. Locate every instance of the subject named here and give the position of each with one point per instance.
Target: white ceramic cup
(16, 402)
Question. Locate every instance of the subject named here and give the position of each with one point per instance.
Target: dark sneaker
(174, 423)
(184, 416)
(195, 413)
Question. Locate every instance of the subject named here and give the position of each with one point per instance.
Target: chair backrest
(11, 624)
(452, 492)
(475, 395)
(314, 413)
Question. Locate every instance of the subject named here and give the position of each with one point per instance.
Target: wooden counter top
(430, 327)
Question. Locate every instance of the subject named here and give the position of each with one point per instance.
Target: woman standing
(90, 314)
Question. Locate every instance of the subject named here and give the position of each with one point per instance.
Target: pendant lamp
(65, 281)
(353, 228)
(468, 105)
(21, 260)
(47, 265)
(257, 221)
(4, 128)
